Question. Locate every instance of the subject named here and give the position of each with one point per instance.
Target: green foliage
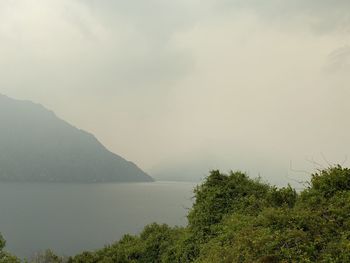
(330, 181)
(4, 256)
(156, 243)
(2, 242)
(238, 219)
(222, 194)
(47, 256)
(314, 227)
(287, 235)
(281, 197)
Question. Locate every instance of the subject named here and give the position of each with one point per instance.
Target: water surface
(70, 218)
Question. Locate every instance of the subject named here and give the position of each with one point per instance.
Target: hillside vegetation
(238, 219)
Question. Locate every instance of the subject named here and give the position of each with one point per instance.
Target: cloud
(168, 82)
(339, 60)
(319, 16)
(54, 43)
(261, 92)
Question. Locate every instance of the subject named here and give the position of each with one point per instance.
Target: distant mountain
(35, 145)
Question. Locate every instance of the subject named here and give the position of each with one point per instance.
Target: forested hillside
(238, 219)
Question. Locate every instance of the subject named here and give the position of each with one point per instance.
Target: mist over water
(226, 84)
(70, 218)
(164, 92)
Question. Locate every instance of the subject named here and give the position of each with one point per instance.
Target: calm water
(70, 218)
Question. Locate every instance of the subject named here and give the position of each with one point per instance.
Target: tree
(47, 256)
(4, 256)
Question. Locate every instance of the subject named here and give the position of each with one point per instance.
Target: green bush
(4, 256)
(238, 219)
(222, 194)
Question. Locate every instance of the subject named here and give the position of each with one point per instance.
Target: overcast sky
(190, 85)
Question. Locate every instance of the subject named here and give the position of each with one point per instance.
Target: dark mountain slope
(35, 145)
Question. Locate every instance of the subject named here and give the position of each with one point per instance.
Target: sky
(182, 87)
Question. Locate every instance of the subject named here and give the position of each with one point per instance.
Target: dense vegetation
(238, 219)
(4, 256)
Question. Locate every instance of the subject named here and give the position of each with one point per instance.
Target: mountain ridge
(37, 145)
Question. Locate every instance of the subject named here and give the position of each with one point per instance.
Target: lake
(70, 218)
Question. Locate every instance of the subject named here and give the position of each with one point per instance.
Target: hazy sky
(189, 85)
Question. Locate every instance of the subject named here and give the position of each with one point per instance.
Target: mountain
(35, 145)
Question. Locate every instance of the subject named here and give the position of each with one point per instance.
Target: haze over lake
(70, 218)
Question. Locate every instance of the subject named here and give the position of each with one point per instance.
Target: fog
(181, 87)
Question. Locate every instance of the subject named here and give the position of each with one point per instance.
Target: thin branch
(325, 159)
(345, 160)
(297, 171)
(295, 180)
(316, 164)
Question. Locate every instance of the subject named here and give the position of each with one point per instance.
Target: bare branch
(317, 165)
(325, 159)
(345, 160)
(297, 171)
